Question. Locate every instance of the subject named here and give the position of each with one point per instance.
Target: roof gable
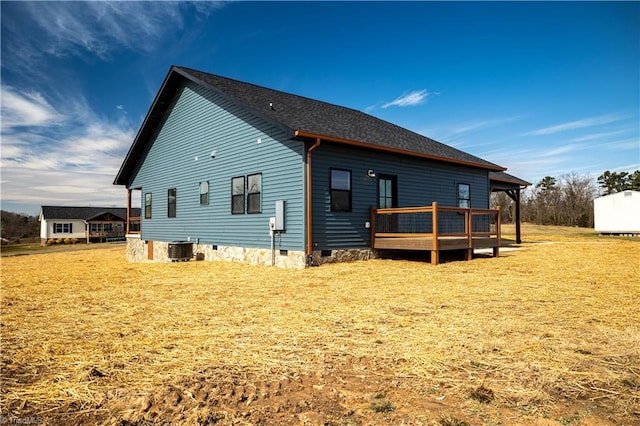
(302, 117)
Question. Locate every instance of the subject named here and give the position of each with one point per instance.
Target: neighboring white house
(87, 224)
(617, 213)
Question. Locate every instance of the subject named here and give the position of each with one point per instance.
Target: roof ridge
(270, 89)
(192, 70)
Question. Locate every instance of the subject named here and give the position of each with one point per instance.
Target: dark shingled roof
(301, 117)
(85, 213)
(507, 178)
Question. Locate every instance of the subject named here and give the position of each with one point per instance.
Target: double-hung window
(254, 192)
(204, 193)
(249, 186)
(464, 195)
(237, 195)
(62, 228)
(147, 205)
(340, 190)
(171, 202)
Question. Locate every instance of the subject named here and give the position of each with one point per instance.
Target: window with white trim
(62, 228)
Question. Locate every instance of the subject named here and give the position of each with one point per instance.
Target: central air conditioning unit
(180, 251)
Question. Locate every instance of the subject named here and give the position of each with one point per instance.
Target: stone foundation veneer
(344, 255)
(253, 256)
(138, 251)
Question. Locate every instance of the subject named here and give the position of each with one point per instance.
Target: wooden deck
(436, 229)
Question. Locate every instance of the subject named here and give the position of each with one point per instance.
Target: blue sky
(542, 88)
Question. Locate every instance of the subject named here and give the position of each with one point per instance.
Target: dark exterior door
(387, 191)
(387, 198)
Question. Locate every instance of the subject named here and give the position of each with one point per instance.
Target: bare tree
(507, 209)
(567, 201)
(578, 193)
(16, 226)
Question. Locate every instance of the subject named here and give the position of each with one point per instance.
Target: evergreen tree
(612, 182)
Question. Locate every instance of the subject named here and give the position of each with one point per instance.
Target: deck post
(468, 219)
(496, 249)
(434, 229)
(372, 224)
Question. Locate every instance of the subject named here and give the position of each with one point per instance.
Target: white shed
(617, 213)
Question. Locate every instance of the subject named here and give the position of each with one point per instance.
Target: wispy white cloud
(413, 98)
(626, 167)
(597, 136)
(101, 27)
(55, 148)
(577, 124)
(26, 109)
(624, 144)
(464, 135)
(63, 155)
(564, 149)
(91, 29)
(470, 126)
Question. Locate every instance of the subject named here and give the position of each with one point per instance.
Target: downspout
(309, 194)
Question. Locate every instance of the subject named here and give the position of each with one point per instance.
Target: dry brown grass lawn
(548, 332)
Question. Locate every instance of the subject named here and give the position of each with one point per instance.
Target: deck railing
(134, 225)
(436, 222)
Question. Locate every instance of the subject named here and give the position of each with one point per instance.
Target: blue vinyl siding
(420, 182)
(199, 122)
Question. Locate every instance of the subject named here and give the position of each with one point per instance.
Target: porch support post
(434, 229)
(514, 194)
(496, 249)
(468, 216)
(517, 200)
(128, 225)
(372, 224)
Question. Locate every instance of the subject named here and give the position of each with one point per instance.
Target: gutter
(492, 167)
(309, 251)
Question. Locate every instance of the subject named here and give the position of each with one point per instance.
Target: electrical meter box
(280, 211)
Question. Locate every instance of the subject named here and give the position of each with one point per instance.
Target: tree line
(566, 200)
(15, 227)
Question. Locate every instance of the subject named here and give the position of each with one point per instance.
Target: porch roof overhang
(501, 181)
(105, 217)
(510, 185)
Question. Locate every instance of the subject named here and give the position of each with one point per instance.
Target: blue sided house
(236, 171)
